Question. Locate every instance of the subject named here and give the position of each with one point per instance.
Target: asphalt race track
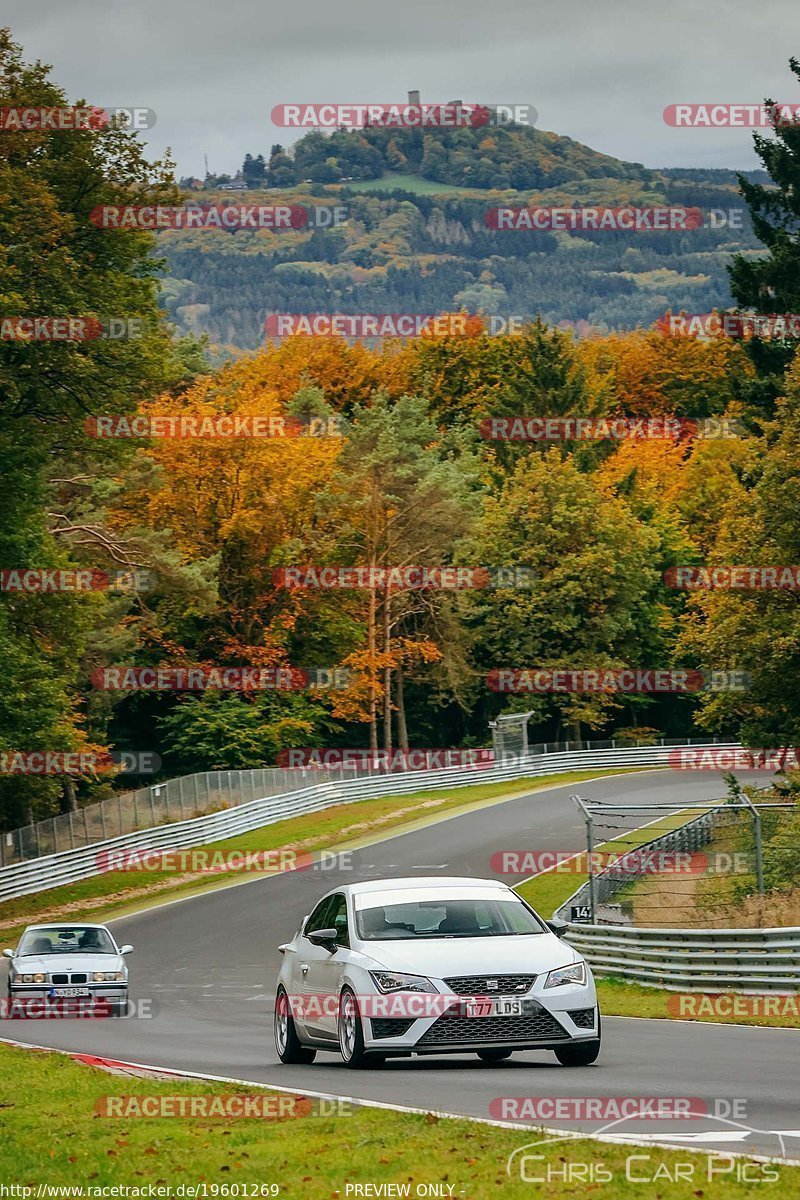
(209, 964)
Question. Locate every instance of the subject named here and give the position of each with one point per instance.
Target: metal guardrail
(21, 879)
(693, 960)
(179, 799)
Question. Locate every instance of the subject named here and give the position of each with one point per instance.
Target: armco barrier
(21, 879)
(693, 960)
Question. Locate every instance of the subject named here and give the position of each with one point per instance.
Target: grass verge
(54, 1136)
(343, 826)
(621, 998)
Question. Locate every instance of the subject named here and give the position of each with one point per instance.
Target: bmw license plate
(71, 992)
(494, 1008)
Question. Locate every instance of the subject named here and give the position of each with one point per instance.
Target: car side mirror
(8, 954)
(559, 928)
(324, 937)
(125, 949)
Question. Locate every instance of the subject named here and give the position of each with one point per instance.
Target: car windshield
(477, 917)
(66, 939)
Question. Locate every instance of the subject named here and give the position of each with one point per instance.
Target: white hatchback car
(60, 966)
(396, 967)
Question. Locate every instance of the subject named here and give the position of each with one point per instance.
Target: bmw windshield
(69, 939)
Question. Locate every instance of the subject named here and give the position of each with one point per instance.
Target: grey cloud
(601, 73)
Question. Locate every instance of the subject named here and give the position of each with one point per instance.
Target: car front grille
(491, 985)
(77, 978)
(80, 977)
(536, 1024)
(386, 1027)
(60, 978)
(583, 1017)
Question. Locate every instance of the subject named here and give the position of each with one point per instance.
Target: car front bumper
(570, 1015)
(31, 999)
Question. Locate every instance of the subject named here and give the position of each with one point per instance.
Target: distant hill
(416, 239)
(516, 156)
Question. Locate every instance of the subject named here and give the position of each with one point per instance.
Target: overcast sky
(600, 71)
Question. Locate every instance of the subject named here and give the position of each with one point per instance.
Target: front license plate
(71, 992)
(508, 1008)
(494, 1008)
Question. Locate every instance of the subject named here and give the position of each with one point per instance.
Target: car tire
(580, 1054)
(289, 1048)
(494, 1056)
(351, 1035)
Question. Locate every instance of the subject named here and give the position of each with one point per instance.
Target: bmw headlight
(107, 976)
(395, 981)
(575, 973)
(25, 978)
(40, 978)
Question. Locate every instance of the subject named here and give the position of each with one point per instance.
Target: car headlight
(395, 981)
(107, 976)
(25, 978)
(40, 978)
(575, 973)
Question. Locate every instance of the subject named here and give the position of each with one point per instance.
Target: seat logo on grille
(493, 984)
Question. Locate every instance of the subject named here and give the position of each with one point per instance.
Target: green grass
(344, 826)
(412, 183)
(617, 997)
(54, 1135)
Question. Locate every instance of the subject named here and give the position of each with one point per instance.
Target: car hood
(444, 957)
(35, 964)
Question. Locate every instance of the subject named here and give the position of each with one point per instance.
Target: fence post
(103, 819)
(152, 805)
(85, 828)
(590, 863)
(180, 795)
(757, 838)
(71, 834)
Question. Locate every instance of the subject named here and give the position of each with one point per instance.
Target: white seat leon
(399, 967)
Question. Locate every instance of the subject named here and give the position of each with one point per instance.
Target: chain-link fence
(159, 804)
(209, 791)
(730, 863)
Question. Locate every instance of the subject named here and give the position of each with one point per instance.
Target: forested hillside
(407, 248)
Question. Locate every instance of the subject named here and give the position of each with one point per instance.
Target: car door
(324, 975)
(304, 1004)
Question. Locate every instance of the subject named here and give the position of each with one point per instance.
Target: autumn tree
(236, 508)
(770, 283)
(55, 262)
(592, 602)
(403, 496)
(757, 631)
